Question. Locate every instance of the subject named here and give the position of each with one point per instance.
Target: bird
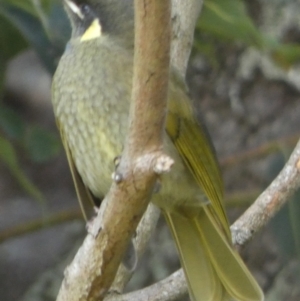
(91, 93)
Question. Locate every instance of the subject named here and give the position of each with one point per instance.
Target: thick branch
(92, 271)
(143, 233)
(270, 201)
(184, 16)
(150, 80)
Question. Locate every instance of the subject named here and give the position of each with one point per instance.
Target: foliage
(38, 23)
(43, 26)
(228, 20)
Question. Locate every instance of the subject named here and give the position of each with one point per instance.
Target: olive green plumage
(91, 98)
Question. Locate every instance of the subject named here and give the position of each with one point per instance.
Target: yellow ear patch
(93, 32)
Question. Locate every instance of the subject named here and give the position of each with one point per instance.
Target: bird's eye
(85, 9)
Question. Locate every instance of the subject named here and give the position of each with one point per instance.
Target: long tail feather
(213, 269)
(234, 275)
(202, 280)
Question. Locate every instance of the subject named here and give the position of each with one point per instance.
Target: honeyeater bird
(91, 98)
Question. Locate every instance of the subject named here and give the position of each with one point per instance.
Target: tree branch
(270, 201)
(41, 223)
(143, 233)
(259, 151)
(185, 14)
(170, 289)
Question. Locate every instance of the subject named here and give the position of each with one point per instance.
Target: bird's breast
(91, 96)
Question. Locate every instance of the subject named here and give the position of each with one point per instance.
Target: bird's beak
(74, 8)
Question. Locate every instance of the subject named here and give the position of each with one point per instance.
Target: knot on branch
(117, 177)
(154, 161)
(163, 164)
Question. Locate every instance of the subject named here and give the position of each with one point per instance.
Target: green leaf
(228, 19)
(33, 31)
(9, 157)
(11, 123)
(60, 27)
(2, 75)
(286, 55)
(42, 145)
(30, 6)
(11, 40)
(24, 5)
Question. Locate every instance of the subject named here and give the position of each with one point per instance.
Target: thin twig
(241, 199)
(172, 288)
(270, 201)
(262, 150)
(39, 224)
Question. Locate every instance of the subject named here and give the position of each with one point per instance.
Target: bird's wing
(85, 197)
(194, 146)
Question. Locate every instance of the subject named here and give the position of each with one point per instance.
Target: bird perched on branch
(91, 98)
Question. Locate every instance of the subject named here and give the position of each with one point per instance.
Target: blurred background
(244, 75)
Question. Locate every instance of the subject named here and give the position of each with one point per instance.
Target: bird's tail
(214, 271)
